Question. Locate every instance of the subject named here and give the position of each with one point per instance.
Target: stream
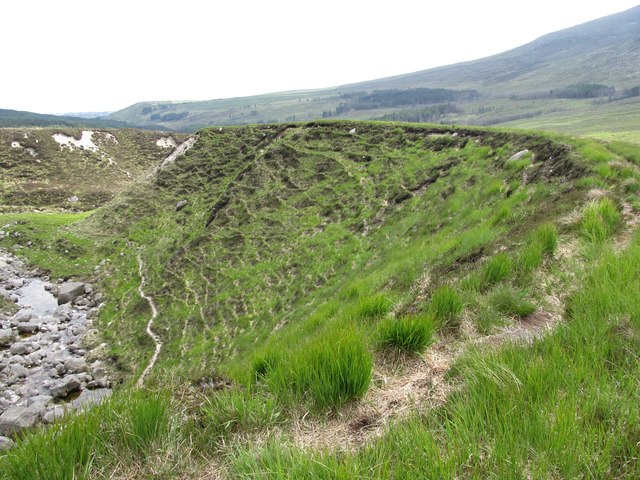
(46, 369)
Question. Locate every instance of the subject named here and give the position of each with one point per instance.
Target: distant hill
(17, 118)
(562, 72)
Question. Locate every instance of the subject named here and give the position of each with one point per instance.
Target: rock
(19, 348)
(70, 291)
(52, 415)
(14, 419)
(73, 199)
(6, 337)
(19, 371)
(5, 443)
(21, 317)
(91, 397)
(40, 399)
(352, 131)
(67, 385)
(88, 288)
(181, 204)
(98, 383)
(29, 327)
(519, 155)
(75, 365)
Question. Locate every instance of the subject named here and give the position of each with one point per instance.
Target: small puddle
(34, 297)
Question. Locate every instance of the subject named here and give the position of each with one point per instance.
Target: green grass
(125, 429)
(411, 333)
(446, 307)
(234, 411)
(511, 302)
(496, 269)
(524, 405)
(303, 251)
(327, 373)
(600, 219)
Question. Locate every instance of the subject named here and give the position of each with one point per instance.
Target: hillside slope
(44, 168)
(352, 299)
(513, 85)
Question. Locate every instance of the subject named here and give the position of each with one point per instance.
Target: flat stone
(91, 397)
(14, 419)
(70, 291)
(41, 399)
(29, 327)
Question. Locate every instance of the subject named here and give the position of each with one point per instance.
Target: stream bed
(46, 369)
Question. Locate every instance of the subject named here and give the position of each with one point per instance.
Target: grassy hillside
(588, 70)
(350, 299)
(39, 172)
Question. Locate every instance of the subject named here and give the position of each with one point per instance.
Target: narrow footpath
(154, 314)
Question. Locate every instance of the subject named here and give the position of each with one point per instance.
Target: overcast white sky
(83, 55)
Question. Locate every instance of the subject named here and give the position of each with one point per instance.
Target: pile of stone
(45, 369)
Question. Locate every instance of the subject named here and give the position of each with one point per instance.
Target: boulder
(70, 291)
(28, 327)
(14, 419)
(519, 155)
(65, 386)
(75, 365)
(181, 204)
(18, 371)
(19, 348)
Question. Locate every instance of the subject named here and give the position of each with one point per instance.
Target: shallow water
(34, 297)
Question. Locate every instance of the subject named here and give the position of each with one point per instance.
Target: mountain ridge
(602, 51)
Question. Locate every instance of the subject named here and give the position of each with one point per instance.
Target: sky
(89, 56)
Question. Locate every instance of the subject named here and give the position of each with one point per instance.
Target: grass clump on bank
(446, 307)
(600, 220)
(412, 333)
(496, 269)
(511, 302)
(328, 372)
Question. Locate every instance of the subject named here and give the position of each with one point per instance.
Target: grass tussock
(372, 307)
(511, 302)
(600, 220)
(411, 333)
(496, 269)
(329, 372)
(446, 306)
(236, 411)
